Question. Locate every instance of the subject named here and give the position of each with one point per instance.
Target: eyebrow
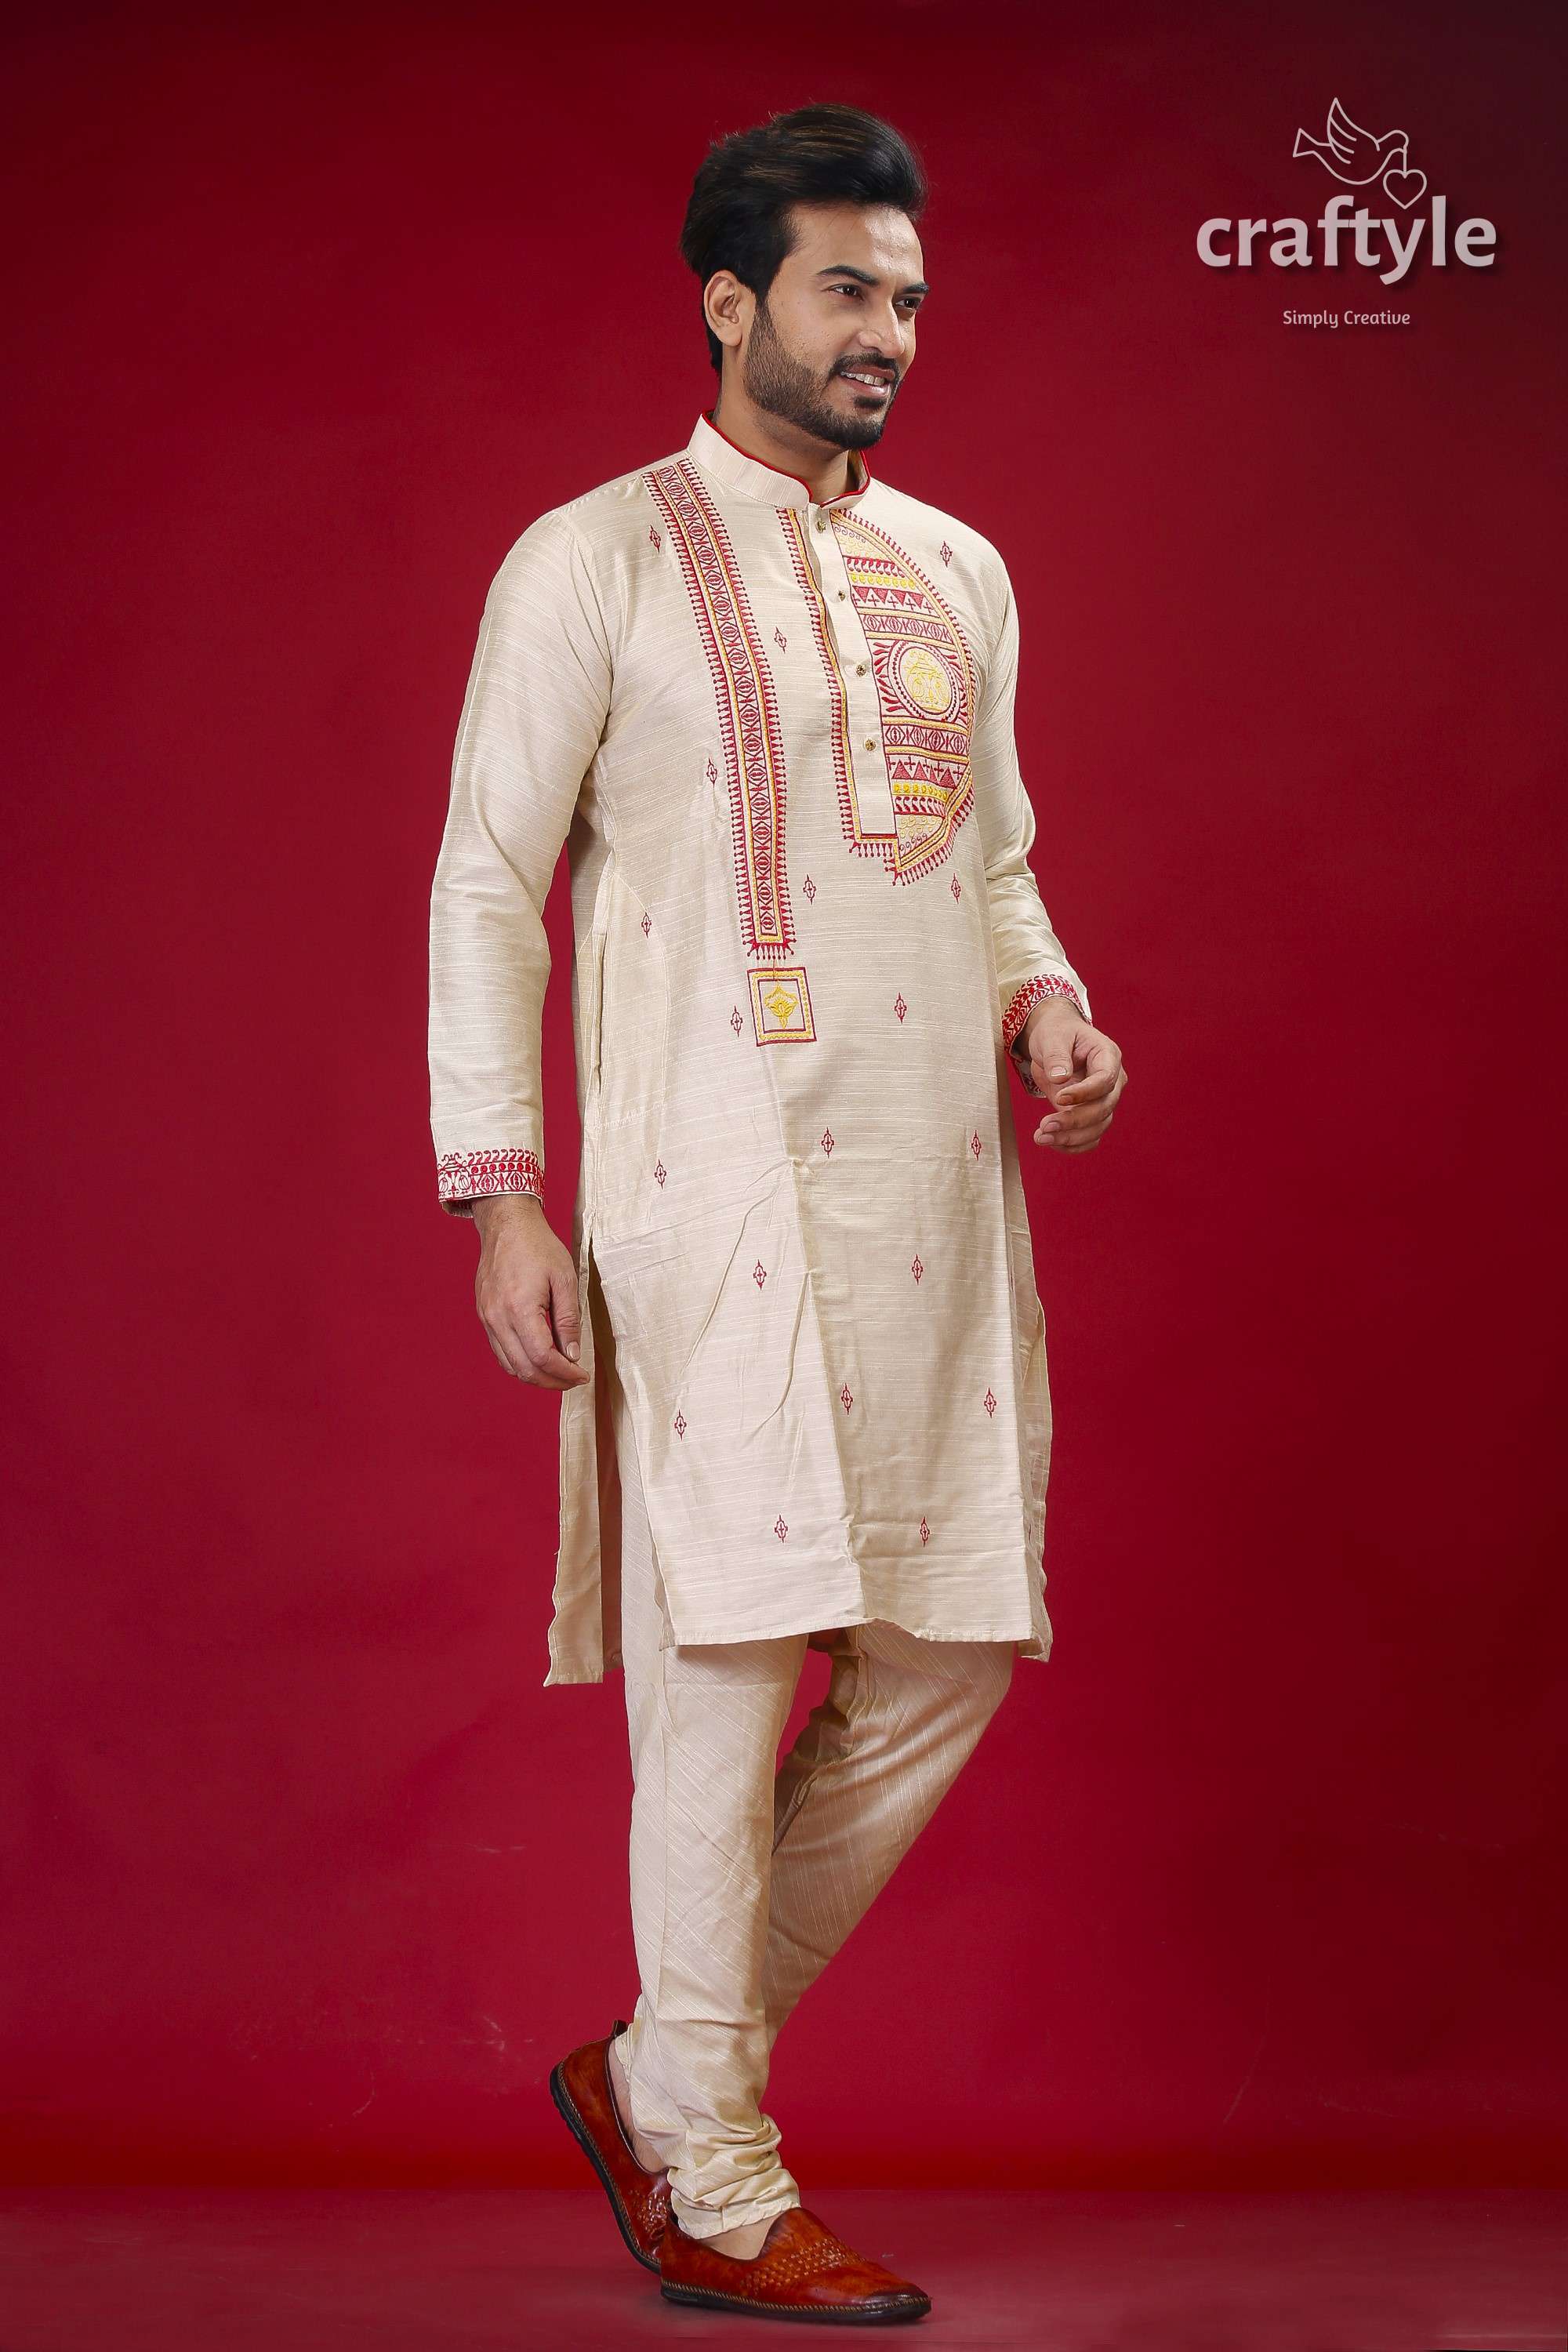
(848, 269)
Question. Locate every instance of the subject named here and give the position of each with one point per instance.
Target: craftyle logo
(1379, 163)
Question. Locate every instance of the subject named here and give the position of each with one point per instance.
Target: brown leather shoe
(802, 2271)
(639, 2199)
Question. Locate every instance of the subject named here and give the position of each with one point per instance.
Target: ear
(724, 300)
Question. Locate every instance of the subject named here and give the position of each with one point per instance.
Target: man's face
(835, 336)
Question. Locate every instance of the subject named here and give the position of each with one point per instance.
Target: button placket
(852, 653)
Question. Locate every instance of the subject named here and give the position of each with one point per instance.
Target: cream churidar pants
(747, 1875)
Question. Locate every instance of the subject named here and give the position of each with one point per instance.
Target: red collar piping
(865, 483)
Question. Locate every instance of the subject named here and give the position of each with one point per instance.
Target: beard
(784, 387)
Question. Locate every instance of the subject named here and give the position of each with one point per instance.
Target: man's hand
(526, 1292)
(1079, 1068)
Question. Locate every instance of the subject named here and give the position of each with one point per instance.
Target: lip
(880, 390)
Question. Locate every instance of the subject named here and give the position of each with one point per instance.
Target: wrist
(492, 1210)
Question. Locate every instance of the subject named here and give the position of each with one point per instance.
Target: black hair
(738, 215)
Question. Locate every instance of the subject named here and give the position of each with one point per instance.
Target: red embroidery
(844, 1397)
(989, 1402)
(828, 1140)
(736, 1023)
(975, 1143)
(680, 1424)
(900, 1007)
(925, 1531)
(916, 1268)
(759, 1273)
(658, 1171)
(748, 713)
(474, 1175)
(780, 1530)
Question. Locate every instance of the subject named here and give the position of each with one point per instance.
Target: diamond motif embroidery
(655, 537)
(781, 641)
(974, 1144)
(736, 1023)
(713, 774)
(956, 888)
(989, 1402)
(827, 1139)
(945, 553)
(680, 1424)
(809, 886)
(647, 926)
(845, 1398)
(780, 1530)
(658, 1171)
(900, 1007)
(925, 1531)
(759, 1273)
(916, 1268)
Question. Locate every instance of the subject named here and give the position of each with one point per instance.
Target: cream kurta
(776, 739)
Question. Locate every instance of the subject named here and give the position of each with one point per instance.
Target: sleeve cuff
(1020, 1005)
(464, 1177)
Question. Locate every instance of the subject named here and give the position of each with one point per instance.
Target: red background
(1260, 1879)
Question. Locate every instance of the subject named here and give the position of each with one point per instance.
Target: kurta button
(860, 669)
(822, 522)
(841, 596)
(870, 742)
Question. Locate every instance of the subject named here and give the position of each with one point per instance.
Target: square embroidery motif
(781, 1003)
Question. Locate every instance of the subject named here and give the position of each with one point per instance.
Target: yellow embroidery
(781, 1005)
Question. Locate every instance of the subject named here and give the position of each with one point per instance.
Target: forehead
(877, 237)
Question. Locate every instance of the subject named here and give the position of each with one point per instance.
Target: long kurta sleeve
(1030, 959)
(538, 694)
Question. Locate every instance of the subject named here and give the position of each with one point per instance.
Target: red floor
(172, 2269)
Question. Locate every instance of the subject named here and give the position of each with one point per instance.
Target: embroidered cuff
(464, 1177)
(1020, 1005)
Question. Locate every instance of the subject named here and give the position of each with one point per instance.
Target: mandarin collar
(749, 477)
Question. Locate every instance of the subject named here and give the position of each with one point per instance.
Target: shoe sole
(888, 2316)
(585, 2139)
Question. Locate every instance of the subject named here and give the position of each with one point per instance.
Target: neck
(825, 472)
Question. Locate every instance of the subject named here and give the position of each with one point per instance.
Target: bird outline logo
(1358, 157)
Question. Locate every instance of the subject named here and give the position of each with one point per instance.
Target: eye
(910, 302)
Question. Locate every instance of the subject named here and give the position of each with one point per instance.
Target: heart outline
(1417, 192)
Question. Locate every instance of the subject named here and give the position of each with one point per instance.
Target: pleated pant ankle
(747, 1875)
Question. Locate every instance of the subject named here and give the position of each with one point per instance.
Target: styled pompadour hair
(738, 215)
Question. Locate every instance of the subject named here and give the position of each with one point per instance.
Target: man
(766, 702)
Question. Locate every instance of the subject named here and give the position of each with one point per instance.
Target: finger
(1102, 1065)
(507, 1350)
(500, 1353)
(1073, 1120)
(568, 1319)
(1068, 1126)
(1091, 1090)
(549, 1366)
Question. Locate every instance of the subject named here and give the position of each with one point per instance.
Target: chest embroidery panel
(925, 677)
(925, 688)
(747, 707)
